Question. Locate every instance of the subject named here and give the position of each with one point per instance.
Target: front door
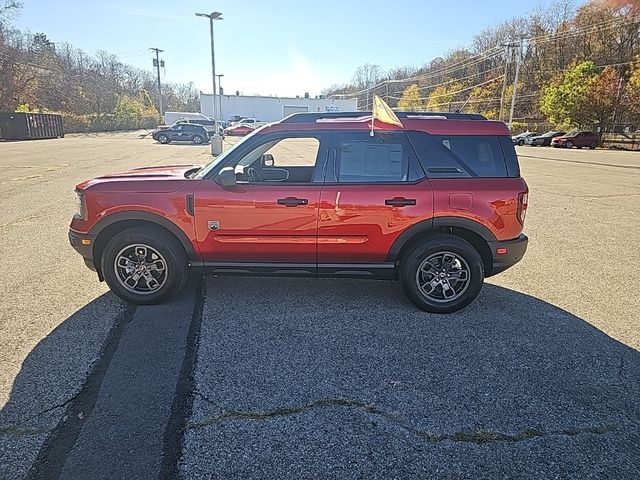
(374, 189)
(175, 134)
(271, 214)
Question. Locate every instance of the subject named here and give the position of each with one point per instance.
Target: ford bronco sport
(438, 205)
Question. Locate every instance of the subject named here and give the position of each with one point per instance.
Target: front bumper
(86, 251)
(515, 250)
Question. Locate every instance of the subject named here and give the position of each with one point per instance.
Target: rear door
(374, 189)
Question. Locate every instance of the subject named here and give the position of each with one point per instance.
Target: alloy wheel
(140, 269)
(443, 277)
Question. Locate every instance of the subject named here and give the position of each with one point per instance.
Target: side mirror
(226, 177)
(267, 160)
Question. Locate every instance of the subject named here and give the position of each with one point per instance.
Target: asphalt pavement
(303, 378)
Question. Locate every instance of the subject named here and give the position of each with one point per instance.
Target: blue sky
(270, 46)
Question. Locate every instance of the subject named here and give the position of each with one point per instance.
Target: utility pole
(515, 83)
(157, 64)
(507, 47)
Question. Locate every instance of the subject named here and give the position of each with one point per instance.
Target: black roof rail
(312, 117)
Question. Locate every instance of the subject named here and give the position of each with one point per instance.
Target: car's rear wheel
(593, 146)
(443, 274)
(144, 265)
(197, 139)
(569, 144)
(520, 142)
(162, 138)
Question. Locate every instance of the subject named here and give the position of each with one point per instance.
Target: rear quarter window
(460, 156)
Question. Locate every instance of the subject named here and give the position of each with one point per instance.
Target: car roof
(436, 123)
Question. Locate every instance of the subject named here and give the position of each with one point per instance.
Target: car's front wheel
(197, 139)
(520, 143)
(162, 138)
(144, 265)
(442, 274)
(569, 144)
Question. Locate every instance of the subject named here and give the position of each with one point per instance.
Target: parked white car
(523, 138)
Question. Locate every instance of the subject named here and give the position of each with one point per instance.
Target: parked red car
(438, 205)
(238, 130)
(577, 139)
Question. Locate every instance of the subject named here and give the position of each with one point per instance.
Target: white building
(269, 109)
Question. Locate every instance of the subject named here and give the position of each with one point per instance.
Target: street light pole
(220, 75)
(216, 141)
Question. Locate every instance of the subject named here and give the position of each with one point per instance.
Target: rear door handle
(292, 201)
(400, 201)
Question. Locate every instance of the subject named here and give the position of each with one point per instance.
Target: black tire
(170, 252)
(162, 138)
(197, 140)
(569, 144)
(593, 146)
(520, 143)
(433, 246)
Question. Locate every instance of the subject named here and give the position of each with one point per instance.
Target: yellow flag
(383, 112)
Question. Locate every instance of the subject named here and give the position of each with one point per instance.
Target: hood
(146, 179)
(164, 172)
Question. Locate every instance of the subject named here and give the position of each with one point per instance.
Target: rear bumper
(515, 250)
(85, 251)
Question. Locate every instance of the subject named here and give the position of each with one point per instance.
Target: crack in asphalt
(19, 429)
(478, 436)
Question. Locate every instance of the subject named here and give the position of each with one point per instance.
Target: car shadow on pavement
(347, 379)
(51, 376)
(297, 376)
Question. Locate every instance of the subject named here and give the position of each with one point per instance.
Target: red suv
(438, 205)
(577, 139)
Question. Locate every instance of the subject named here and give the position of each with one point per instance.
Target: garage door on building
(289, 109)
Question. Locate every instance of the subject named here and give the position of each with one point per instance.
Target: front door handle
(400, 201)
(292, 201)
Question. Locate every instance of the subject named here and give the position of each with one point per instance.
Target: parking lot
(303, 378)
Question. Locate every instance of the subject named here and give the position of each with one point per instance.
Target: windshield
(211, 164)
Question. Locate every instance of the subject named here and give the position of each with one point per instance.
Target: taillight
(523, 203)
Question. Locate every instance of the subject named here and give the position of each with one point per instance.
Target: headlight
(80, 206)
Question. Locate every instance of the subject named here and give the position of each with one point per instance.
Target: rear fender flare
(433, 224)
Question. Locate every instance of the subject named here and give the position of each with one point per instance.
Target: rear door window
(387, 157)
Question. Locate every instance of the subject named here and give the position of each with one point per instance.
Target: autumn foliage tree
(563, 99)
(631, 96)
(410, 100)
(582, 97)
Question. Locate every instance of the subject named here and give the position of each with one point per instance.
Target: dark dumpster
(30, 126)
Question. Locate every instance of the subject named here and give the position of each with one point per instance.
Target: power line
(452, 93)
(497, 51)
(474, 60)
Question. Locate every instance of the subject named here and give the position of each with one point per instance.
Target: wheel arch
(115, 223)
(473, 232)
